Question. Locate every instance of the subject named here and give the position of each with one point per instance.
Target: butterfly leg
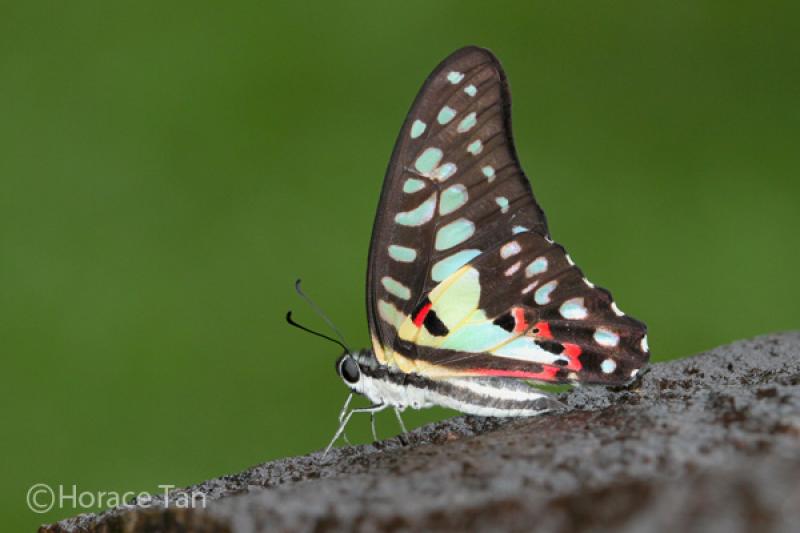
(342, 413)
(372, 425)
(400, 421)
(372, 409)
(404, 436)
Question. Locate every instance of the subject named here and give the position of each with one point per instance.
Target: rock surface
(707, 443)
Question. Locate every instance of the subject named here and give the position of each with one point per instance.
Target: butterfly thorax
(364, 374)
(386, 385)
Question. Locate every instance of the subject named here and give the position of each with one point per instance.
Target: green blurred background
(167, 171)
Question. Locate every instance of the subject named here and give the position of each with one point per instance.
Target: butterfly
(468, 296)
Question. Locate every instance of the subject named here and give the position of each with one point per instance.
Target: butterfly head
(348, 369)
(354, 368)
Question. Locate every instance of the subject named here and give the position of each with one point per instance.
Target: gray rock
(707, 443)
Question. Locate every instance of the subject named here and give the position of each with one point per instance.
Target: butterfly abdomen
(501, 397)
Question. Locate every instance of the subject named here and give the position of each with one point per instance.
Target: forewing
(454, 188)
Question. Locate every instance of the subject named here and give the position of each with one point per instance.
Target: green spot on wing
(428, 160)
(419, 215)
(454, 234)
(452, 198)
(395, 287)
(467, 123)
(536, 266)
(502, 201)
(417, 129)
(413, 185)
(455, 77)
(442, 269)
(402, 254)
(446, 115)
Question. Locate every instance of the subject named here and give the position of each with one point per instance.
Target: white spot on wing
(509, 249)
(573, 309)
(525, 348)
(475, 147)
(608, 366)
(542, 294)
(606, 337)
(617, 310)
(510, 271)
(537, 266)
(455, 77)
(530, 287)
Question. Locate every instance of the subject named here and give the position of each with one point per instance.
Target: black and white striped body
(482, 396)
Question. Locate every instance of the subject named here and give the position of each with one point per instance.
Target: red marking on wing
(547, 374)
(420, 318)
(573, 352)
(544, 330)
(520, 324)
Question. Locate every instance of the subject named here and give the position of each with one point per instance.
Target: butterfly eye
(349, 371)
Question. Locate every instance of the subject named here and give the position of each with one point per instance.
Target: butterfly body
(467, 293)
(482, 396)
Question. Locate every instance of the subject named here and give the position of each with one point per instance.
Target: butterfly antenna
(341, 342)
(291, 321)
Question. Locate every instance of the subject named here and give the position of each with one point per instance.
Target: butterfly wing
(434, 180)
(523, 309)
(445, 295)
